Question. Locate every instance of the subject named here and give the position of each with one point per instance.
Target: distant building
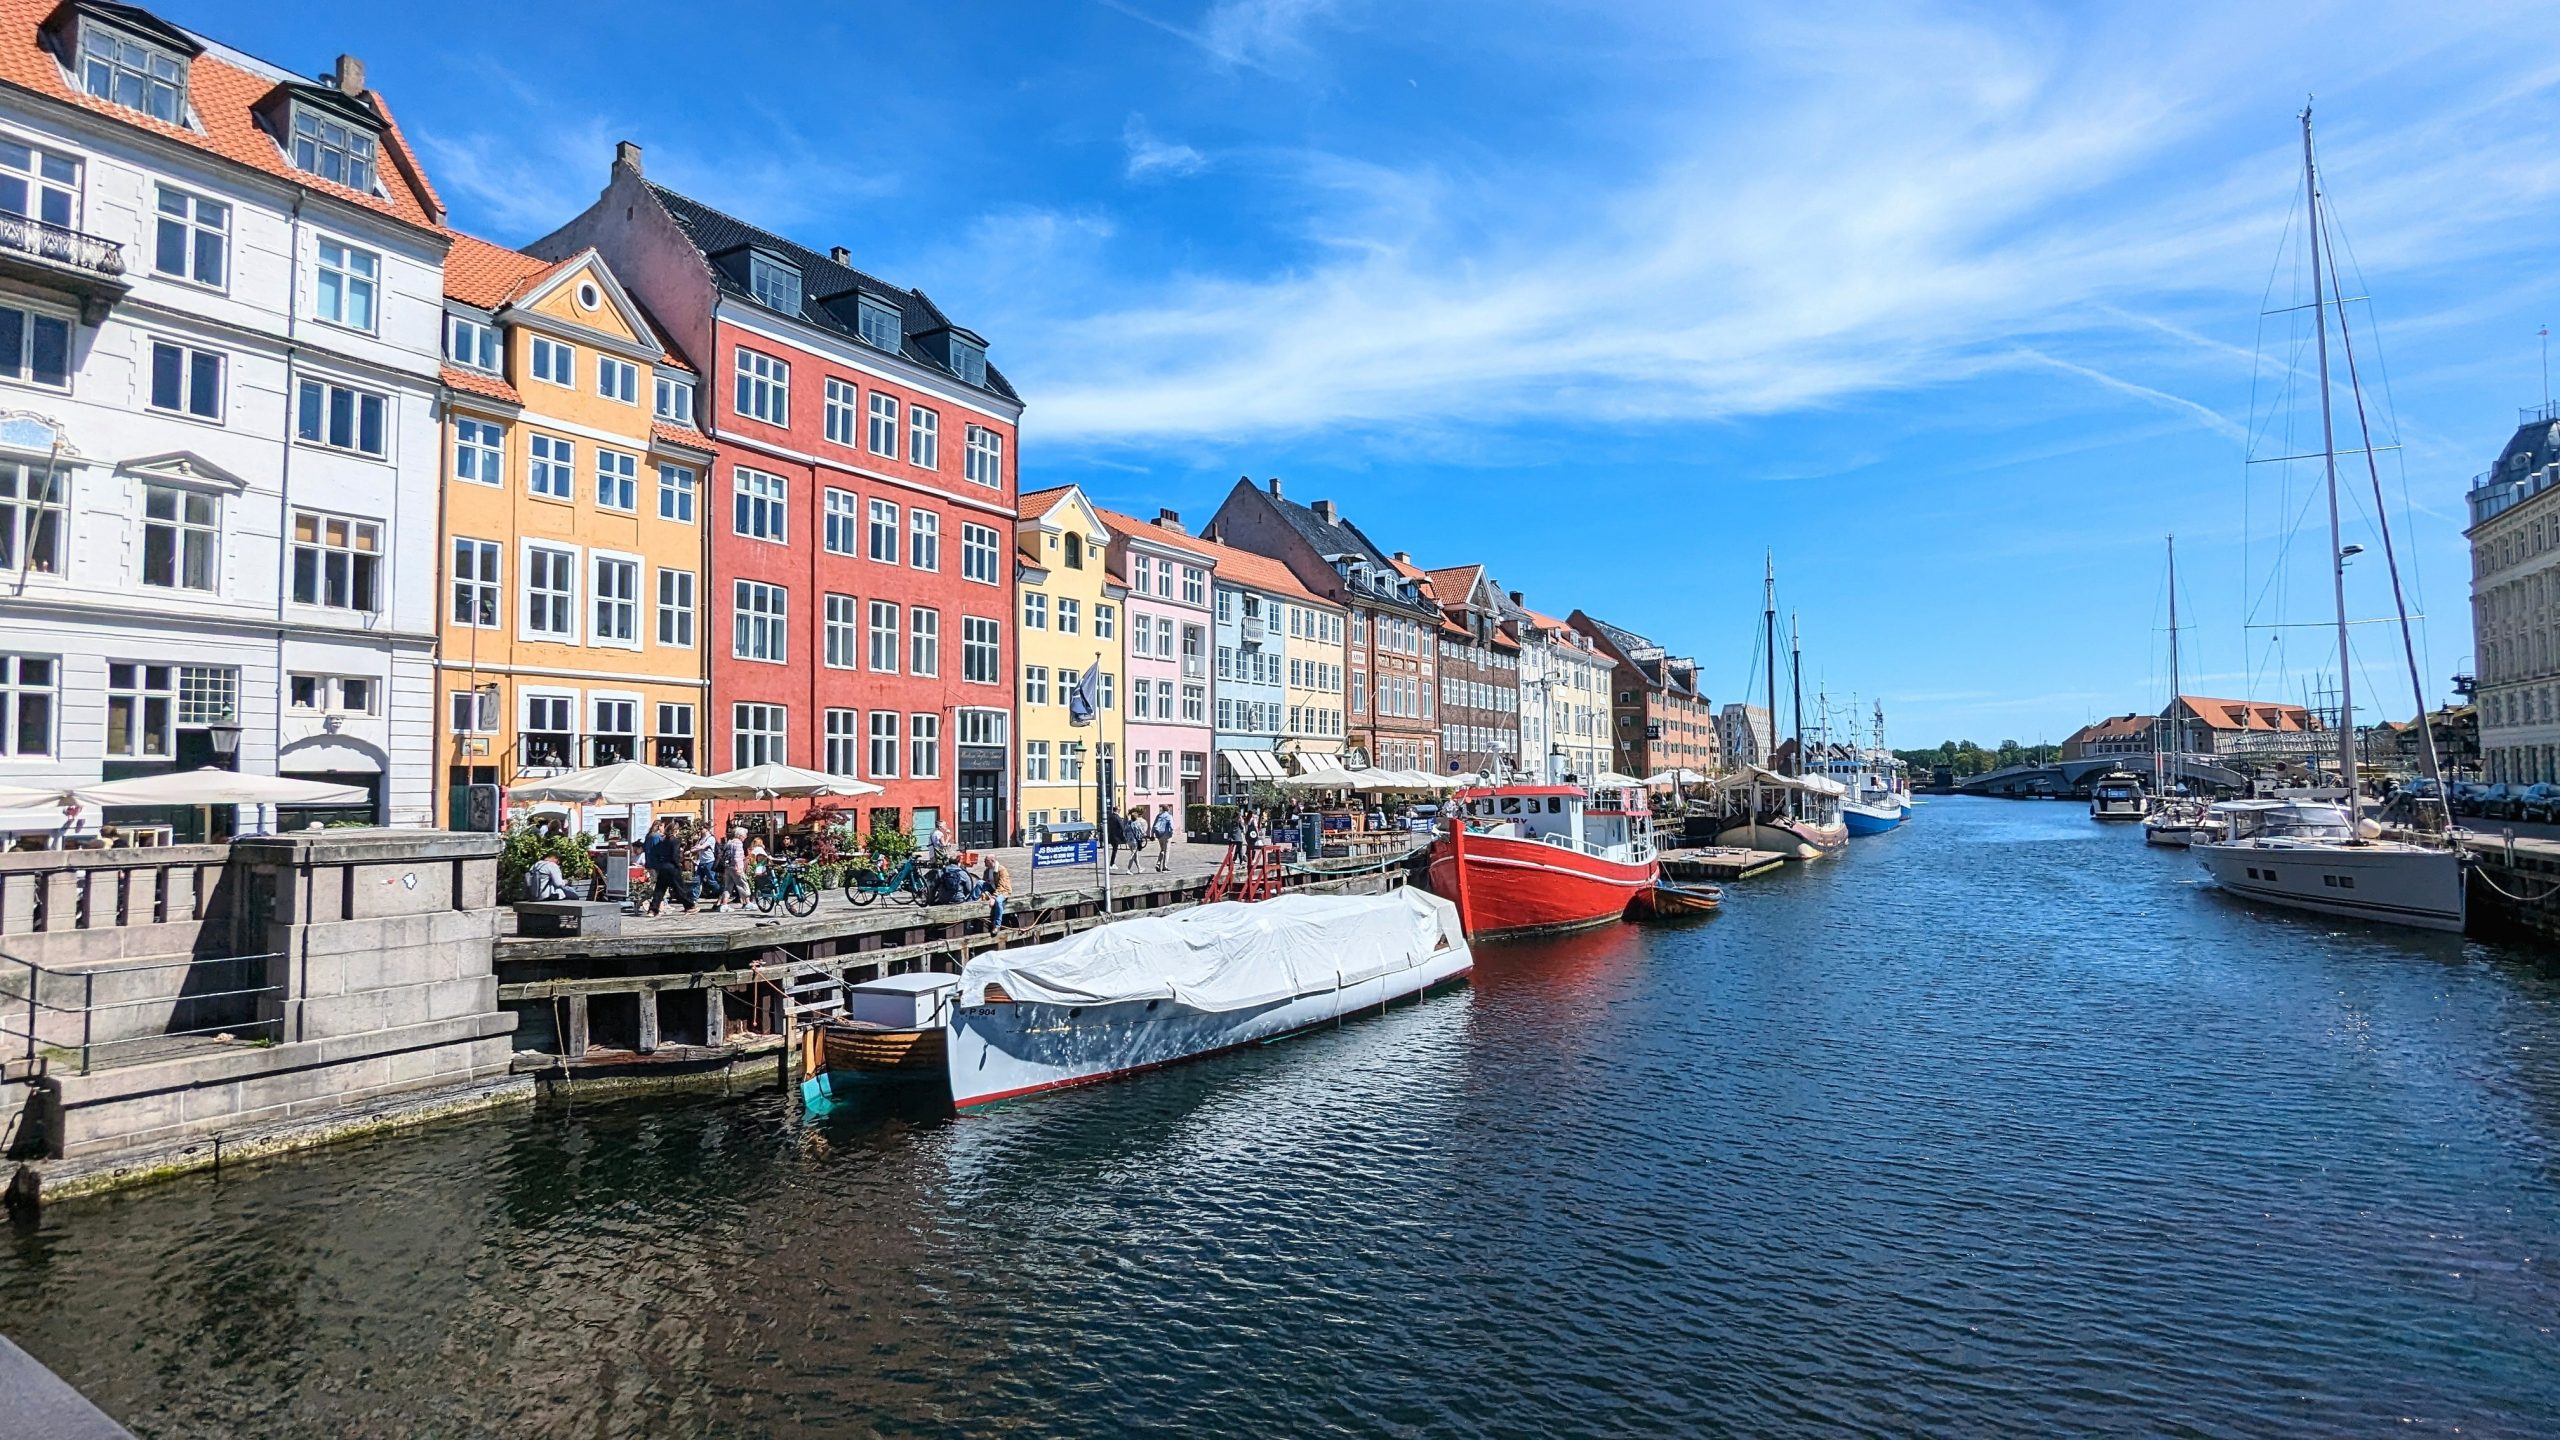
(1747, 736)
(1564, 696)
(1479, 672)
(2115, 735)
(2515, 602)
(2243, 729)
(1661, 718)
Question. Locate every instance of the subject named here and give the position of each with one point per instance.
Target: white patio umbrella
(210, 786)
(1330, 778)
(781, 782)
(625, 782)
(1674, 778)
(1612, 780)
(29, 797)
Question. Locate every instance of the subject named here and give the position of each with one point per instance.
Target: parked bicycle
(912, 883)
(785, 883)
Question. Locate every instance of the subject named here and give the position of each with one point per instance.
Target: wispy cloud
(1153, 158)
(1264, 35)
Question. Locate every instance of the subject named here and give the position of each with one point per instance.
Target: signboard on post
(1056, 853)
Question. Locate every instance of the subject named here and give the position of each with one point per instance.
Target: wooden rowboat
(1668, 900)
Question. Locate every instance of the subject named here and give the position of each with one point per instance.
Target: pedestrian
(1137, 824)
(1115, 831)
(1164, 838)
(999, 884)
(658, 853)
(544, 881)
(705, 852)
(733, 865)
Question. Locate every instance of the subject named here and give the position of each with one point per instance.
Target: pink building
(1167, 715)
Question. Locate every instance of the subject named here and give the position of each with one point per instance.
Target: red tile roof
(472, 382)
(667, 432)
(489, 276)
(1032, 504)
(1242, 566)
(2260, 715)
(223, 97)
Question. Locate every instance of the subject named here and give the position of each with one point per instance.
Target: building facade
(1659, 718)
(573, 528)
(2115, 735)
(1479, 674)
(2515, 604)
(861, 507)
(1166, 710)
(219, 302)
(1391, 649)
(1070, 626)
(1747, 735)
(2245, 729)
(1564, 697)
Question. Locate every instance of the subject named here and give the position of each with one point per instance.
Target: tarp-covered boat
(1141, 993)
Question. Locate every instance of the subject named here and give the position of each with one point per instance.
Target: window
(554, 363)
(1070, 764)
(968, 361)
(675, 609)
(884, 637)
(617, 480)
(981, 651)
(39, 185)
(1035, 610)
(924, 641)
(774, 282)
(550, 592)
(1139, 707)
(759, 616)
(843, 515)
(884, 744)
(755, 735)
(924, 540)
(333, 694)
(617, 380)
(879, 322)
(843, 638)
(475, 584)
(348, 281)
(1105, 619)
(675, 492)
(1164, 697)
(760, 513)
(842, 399)
(844, 742)
(675, 398)
(1164, 580)
(554, 468)
(982, 727)
(181, 538)
(1108, 698)
(985, 462)
(1195, 704)
(335, 560)
(1035, 685)
(26, 705)
(142, 705)
(884, 532)
(35, 347)
(472, 712)
(924, 438)
(479, 452)
(1070, 615)
(616, 734)
(126, 72)
(978, 553)
(924, 747)
(191, 240)
(674, 735)
(617, 602)
(332, 151)
(1142, 570)
(343, 417)
(1194, 585)
(548, 739)
(884, 425)
(1075, 551)
(764, 388)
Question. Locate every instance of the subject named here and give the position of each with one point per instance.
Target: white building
(1564, 696)
(220, 300)
(2515, 604)
(1748, 735)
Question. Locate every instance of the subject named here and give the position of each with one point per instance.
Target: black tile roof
(827, 288)
(1340, 537)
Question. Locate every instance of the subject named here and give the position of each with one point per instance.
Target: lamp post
(224, 734)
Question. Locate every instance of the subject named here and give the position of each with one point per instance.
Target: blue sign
(1063, 852)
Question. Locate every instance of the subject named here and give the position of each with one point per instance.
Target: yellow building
(1314, 733)
(573, 540)
(1070, 623)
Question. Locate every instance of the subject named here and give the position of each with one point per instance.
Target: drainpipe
(284, 480)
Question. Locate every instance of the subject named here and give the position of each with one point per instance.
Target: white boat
(2312, 857)
(2321, 857)
(1138, 994)
(1876, 784)
(2117, 796)
(2181, 821)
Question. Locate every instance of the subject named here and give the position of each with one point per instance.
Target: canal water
(1999, 1124)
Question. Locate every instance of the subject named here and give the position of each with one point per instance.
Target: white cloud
(1263, 35)
(1151, 158)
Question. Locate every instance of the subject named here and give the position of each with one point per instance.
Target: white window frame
(924, 437)
(566, 603)
(842, 531)
(554, 362)
(19, 367)
(883, 637)
(843, 752)
(769, 617)
(551, 468)
(767, 497)
(679, 592)
(924, 539)
(485, 581)
(617, 481)
(625, 607)
(841, 647)
(357, 272)
(678, 488)
(981, 550)
(842, 414)
(887, 741)
(883, 532)
(672, 395)
(764, 388)
(924, 641)
(327, 390)
(924, 746)
(985, 463)
(479, 451)
(617, 379)
(472, 344)
(181, 529)
(981, 635)
(883, 436)
(322, 550)
(771, 731)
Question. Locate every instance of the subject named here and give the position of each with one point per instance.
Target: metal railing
(63, 247)
(230, 1009)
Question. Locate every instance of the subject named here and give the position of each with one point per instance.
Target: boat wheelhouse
(1797, 816)
(1537, 859)
(2117, 795)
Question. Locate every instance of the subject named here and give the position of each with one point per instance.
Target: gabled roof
(225, 88)
(488, 276)
(2114, 727)
(822, 280)
(1243, 567)
(2257, 715)
(1338, 536)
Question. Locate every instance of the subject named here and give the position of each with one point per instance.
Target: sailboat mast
(1795, 674)
(2329, 449)
(1769, 646)
(2174, 684)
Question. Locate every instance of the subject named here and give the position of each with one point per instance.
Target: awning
(1251, 764)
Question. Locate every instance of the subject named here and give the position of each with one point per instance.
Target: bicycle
(864, 884)
(785, 883)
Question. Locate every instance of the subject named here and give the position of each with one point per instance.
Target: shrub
(1209, 822)
(889, 845)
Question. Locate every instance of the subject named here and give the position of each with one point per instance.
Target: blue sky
(1955, 308)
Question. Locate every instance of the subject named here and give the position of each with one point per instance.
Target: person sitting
(999, 884)
(545, 882)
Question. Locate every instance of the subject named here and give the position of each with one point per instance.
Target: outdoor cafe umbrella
(771, 781)
(1674, 778)
(29, 797)
(210, 786)
(625, 782)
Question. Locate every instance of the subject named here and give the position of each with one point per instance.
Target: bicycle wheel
(763, 895)
(859, 894)
(911, 890)
(800, 897)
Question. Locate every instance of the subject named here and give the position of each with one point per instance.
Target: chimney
(1170, 520)
(350, 75)
(1275, 487)
(1403, 559)
(1325, 511)
(1519, 599)
(626, 156)
(840, 255)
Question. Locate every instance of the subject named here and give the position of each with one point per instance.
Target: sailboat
(2175, 820)
(1792, 814)
(1878, 784)
(2327, 858)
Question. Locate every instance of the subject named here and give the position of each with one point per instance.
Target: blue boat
(1863, 819)
(1879, 785)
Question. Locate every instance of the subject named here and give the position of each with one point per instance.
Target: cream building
(2515, 591)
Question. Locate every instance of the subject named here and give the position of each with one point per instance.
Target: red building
(862, 507)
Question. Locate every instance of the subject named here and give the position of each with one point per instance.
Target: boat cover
(1750, 775)
(1224, 957)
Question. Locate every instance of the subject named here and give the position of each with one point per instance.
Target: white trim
(525, 546)
(643, 603)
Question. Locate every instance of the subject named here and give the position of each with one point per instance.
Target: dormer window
(880, 323)
(674, 397)
(332, 150)
(969, 361)
(471, 343)
(774, 282)
(122, 70)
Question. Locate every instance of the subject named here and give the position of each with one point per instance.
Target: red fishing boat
(1535, 859)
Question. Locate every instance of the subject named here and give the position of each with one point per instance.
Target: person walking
(1115, 831)
(705, 855)
(733, 865)
(999, 884)
(1164, 838)
(658, 853)
(1137, 826)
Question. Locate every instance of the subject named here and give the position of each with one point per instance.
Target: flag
(1086, 697)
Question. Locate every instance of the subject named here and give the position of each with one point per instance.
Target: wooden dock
(1719, 862)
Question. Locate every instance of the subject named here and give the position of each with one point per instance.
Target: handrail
(46, 241)
(89, 1009)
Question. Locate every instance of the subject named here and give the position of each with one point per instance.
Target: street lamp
(225, 737)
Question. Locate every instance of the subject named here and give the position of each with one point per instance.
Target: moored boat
(1797, 816)
(1541, 859)
(1671, 900)
(2313, 857)
(893, 1031)
(1877, 784)
(2180, 821)
(2117, 795)
(1138, 994)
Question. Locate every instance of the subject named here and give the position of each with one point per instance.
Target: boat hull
(1006, 1050)
(1792, 838)
(1669, 901)
(2391, 884)
(1871, 819)
(1523, 887)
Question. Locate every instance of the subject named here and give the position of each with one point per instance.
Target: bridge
(2072, 777)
